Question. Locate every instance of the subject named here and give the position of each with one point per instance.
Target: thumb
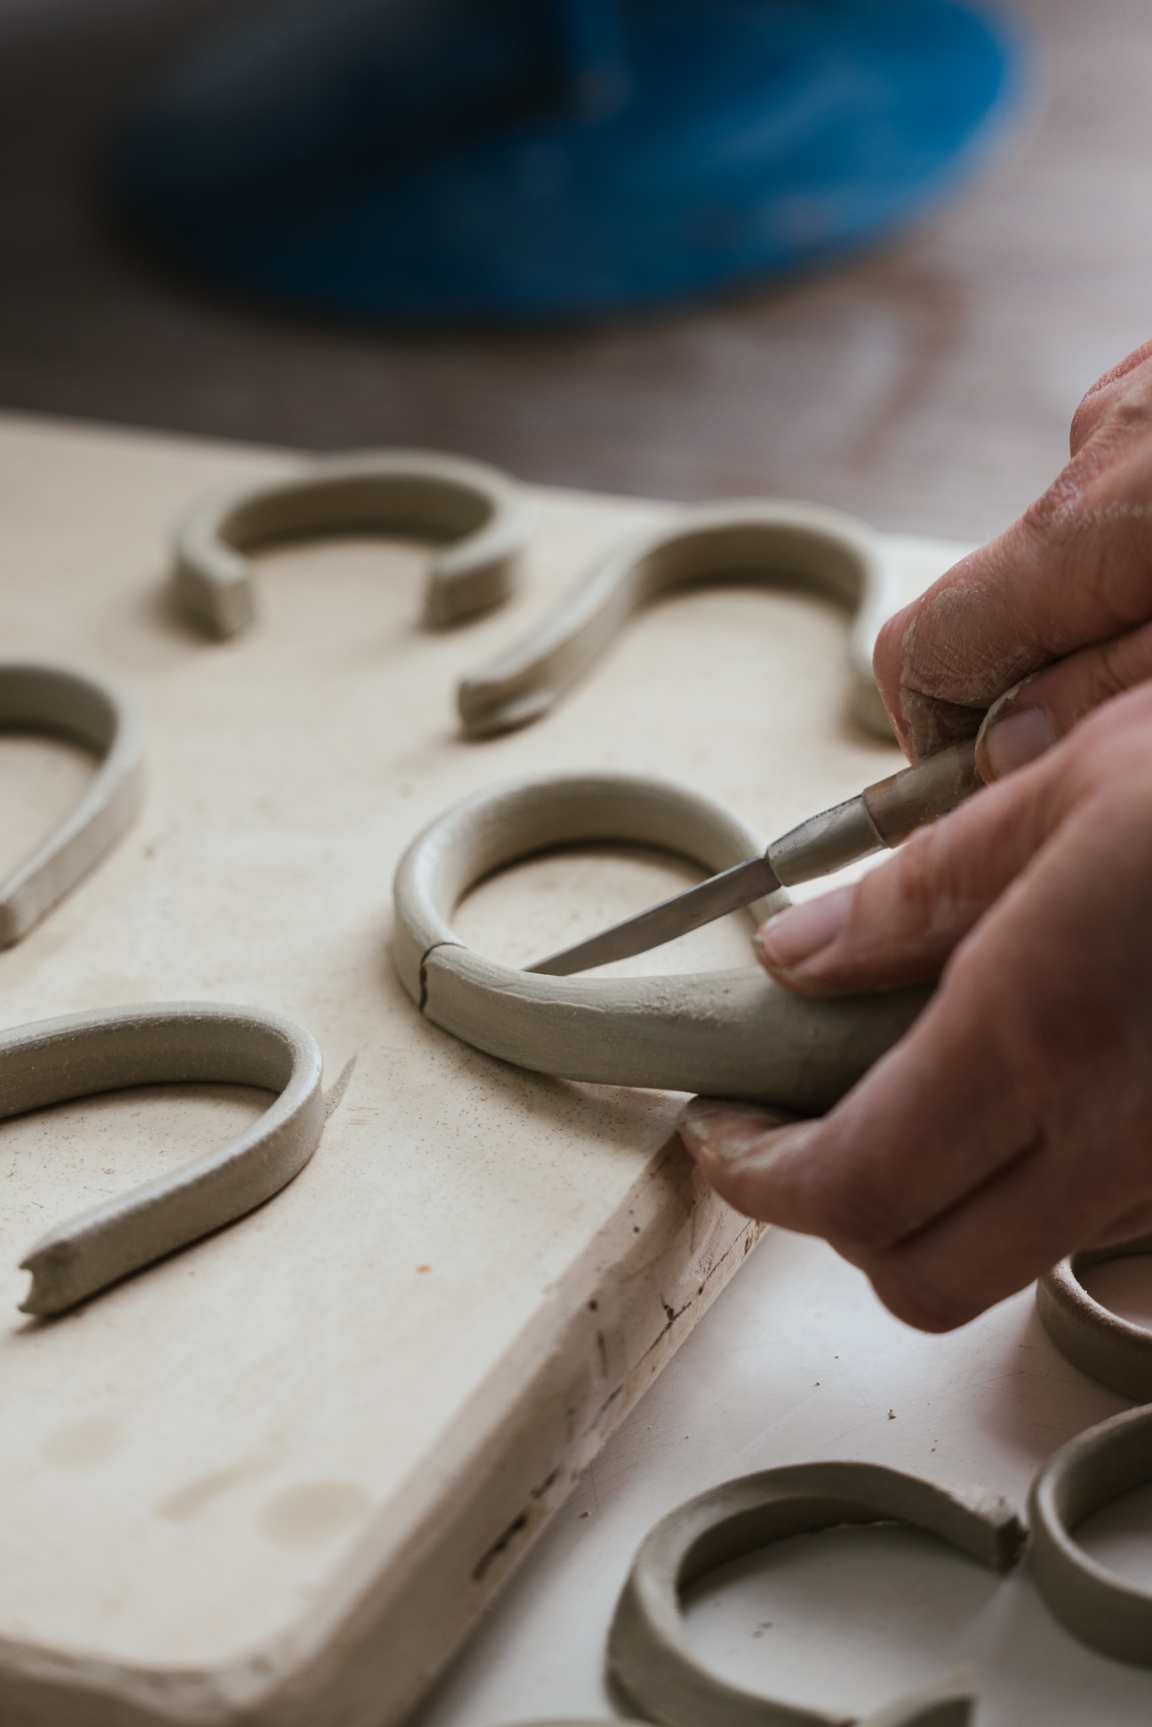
(899, 923)
(1029, 718)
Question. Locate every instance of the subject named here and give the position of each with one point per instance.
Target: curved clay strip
(484, 512)
(56, 1060)
(1113, 1350)
(650, 1654)
(729, 1033)
(95, 713)
(946, 1702)
(1108, 1612)
(774, 542)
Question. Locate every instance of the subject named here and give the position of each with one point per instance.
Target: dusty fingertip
(714, 1128)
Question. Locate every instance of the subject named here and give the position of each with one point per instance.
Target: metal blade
(664, 922)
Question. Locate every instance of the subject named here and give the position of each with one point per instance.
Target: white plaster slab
(798, 1362)
(275, 1478)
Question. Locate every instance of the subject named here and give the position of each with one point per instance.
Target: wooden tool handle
(919, 795)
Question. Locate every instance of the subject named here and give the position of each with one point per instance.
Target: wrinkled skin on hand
(1013, 1122)
(1070, 582)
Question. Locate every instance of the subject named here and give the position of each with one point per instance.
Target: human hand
(1070, 582)
(1013, 1122)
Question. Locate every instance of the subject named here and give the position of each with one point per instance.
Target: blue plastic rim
(528, 161)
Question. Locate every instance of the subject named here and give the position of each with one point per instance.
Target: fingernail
(728, 1130)
(803, 931)
(1015, 740)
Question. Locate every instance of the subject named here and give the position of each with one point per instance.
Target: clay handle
(919, 795)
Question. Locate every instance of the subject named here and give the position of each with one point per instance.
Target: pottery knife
(881, 816)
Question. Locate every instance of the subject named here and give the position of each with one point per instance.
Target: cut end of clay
(60, 1277)
(509, 716)
(48, 1291)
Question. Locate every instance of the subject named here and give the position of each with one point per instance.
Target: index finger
(1073, 571)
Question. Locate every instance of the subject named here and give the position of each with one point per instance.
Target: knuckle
(934, 881)
(1086, 418)
(1109, 674)
(919, 875)
(1043, 516)
(1120, 665)
(1091, 410)
(907, 916)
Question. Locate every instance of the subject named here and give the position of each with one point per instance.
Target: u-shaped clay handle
(650, 1654)
(775, 542)
(946, 1702)
(95, 713)
(486, 515)
(729, 1034)
(57, 1060)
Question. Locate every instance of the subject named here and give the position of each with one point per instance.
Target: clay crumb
(423, 1268)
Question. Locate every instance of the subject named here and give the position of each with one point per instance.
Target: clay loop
(486, 515)
(947, 1702)
(728, 1033)
(56, 1060)
(1103, 1610)
(765, 540)
(94, 713)
(1110, 1349)
(649, 1653)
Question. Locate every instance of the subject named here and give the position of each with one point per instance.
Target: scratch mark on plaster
(500, 1545)
(518, 1524)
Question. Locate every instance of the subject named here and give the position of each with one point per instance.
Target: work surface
(797, 1361)
(275, 1477)
(345, 1398)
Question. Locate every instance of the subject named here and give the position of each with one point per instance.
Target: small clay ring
(95, 713)
(1112, 1350)
(763, 539)
(485, 513)
(728, 1033)
(649, 1652)
(56, 1060)
(1103, 1610)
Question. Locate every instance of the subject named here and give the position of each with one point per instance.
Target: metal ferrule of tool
(880, 817)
